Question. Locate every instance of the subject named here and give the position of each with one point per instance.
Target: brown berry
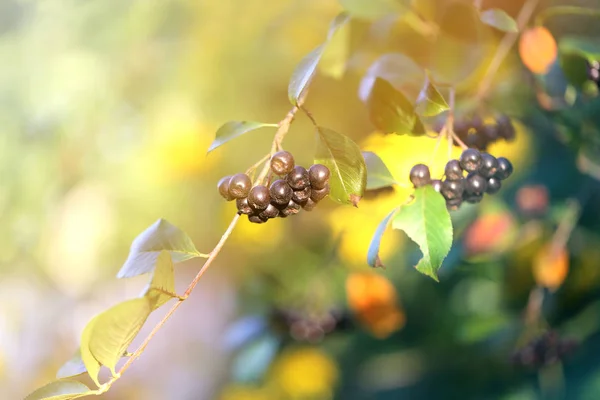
(281, 192)
(300, 196)
(259, 197)
(254, 218)
(291, 209)
(309, 205)
(298, 179)
(243, 206)
(239, 186)
(270, 212)
(318, 175)
(223, 186)
(318, 195)
(282, 163)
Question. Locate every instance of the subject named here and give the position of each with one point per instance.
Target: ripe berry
(453, 170)
(243, 206)
(476, 141)
(493, 185)
(300, 196)
(223, 186)
(281, 192)
(506, 128)
(270, 212)
(254, 218)
(490, 132)
(291, 209)
(473, 198)
(453, 189)
(454, 204)
(419, 175)
(318, 195)
(282, 163)
(239, 186)
(259, 197)
(437, 185)
(470, 160)
(475, 184)
(489, 165)
(309, 205)
(318, 175)
(505, 168)
(298, 179)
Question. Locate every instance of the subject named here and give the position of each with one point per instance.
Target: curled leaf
(373, 254)
(75, 366)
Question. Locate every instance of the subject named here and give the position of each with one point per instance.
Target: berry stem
(460, 142)
(253, 168)
(504, 47)
(450, 119)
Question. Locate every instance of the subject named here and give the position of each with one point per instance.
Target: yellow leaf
(163, 281)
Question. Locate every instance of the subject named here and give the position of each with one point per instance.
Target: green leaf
(419, 128)
(373, 254)
(306, 69)
(232, 129)
(574, 55)
(427, 222)
(348, 169)
(63, 389)
(585, 47)
(162, 235)
(163, 281)
(402, 72)
(499, 19)
(75, 366)
(115, 328)
(89, 361)
(390, 111)
(378, 175)
(336, 52)
(430, 102)
(372, 9)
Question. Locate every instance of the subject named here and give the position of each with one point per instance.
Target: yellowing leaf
(162, 235)
(343, 158)
(538, 49)
(75, 366)
(551, 266)
(232, 129)
(115, 328)
(427, 222)
(63, 389)
(163, 281)
(89, 361)
(431, 102)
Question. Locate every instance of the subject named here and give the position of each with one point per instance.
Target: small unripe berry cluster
(475, 133)
(483, 171)
(545, 349)
(593, 72)
(297, 188)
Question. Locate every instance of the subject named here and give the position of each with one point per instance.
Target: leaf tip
(379, 263)
(354, 199)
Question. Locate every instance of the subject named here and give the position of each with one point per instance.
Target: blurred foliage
(108, 109)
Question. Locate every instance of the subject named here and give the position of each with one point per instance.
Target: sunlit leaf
(163, 281)
(418, 128)
(115, 328)
(373, 9)
(537, 49)
(403, 73)
(389, 110)
(373, 254)
(63, 389)
(73, 367)
(232, 129)
(337, 50)
(162, 235)
(305, 71)
(89, 361)
(499, 19)
(431, 102)
(378, 175)
(427, 222)
(348, 169)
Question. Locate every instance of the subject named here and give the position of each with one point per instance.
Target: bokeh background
(107, 109)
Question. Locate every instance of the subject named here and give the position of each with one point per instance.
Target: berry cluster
(479, 135)
(484, 174)
(546, 349)
(310, 328)
(297, 188)
(593, 72)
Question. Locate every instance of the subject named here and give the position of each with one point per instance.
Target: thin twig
(459, 141)
(450, 120)
(253, 168)
(503, 49)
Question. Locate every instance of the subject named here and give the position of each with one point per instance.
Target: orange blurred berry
(537, 49)
(550, 266)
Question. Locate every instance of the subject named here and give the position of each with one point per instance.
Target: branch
(505, 45)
